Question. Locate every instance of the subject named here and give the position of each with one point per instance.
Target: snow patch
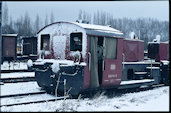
(17, 75)
(59, 45)
(157, 39)
(55, 67)
(14, 65)
(156, 99)
(29, 63)
(165, 62)
(75, 53)
(132, 35)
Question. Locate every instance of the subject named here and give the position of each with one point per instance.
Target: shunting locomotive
(77, 57)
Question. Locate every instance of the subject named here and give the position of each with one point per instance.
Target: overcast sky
(68, 11)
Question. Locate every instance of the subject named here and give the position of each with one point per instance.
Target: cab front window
(45, 42)
(76, 42)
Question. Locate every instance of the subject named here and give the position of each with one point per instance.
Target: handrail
(89, 59)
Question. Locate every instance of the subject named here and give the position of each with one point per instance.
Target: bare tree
(11, 22)
(27, 25)
(51, 17)
(37, 24)
(46, 20)
(80, 15)
(4, 14)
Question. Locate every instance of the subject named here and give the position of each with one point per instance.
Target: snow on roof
(133, 39)
(91, 27)
(167, 42)
(10, 34)
(98, 27)
(132, 35)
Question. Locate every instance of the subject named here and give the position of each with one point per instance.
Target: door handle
(89, 60)
(103, 65)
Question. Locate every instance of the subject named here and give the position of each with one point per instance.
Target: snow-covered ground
(151, 100)
(19, 88)
(17, 75)
(156, 99)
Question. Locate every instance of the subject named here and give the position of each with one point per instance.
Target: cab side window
(45, 40)
(76, 42)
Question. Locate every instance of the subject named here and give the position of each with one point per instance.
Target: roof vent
(109, 26)
(82, 21)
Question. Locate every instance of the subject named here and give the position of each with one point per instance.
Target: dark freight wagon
(29, 47)
(9, 47)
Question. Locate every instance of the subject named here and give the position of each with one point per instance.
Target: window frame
(71, 41)
(45, 36)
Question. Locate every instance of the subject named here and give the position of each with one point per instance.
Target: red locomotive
(78, 57)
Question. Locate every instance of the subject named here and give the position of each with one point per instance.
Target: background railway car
(29, 47)
(158, 50)
(9, 47)
(133, 50)
(78, 57)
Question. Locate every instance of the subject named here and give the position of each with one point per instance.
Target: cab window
(45, 42)
(76, 42)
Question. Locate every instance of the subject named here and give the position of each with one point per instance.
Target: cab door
(112, 63)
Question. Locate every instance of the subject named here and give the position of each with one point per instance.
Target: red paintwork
(86, 69)
(140, 50)
(111, 81)
(164, 51)
(108, 62)
(133, 50)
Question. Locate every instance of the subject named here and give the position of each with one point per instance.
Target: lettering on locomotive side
(112, 76)
(114, 80)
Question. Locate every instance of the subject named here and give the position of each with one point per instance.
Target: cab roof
(92, 29)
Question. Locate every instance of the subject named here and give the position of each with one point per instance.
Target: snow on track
(156, 99)
(19, 88)
(14, 66)
(17, 75)
(24, 99)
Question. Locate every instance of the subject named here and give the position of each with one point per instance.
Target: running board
(135, 83)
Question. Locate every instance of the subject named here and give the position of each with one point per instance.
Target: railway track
(119, 92)
(19, 100)
(16, 77)
(12, 71)
(31, 97)
(16, 80)
(24, 94)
